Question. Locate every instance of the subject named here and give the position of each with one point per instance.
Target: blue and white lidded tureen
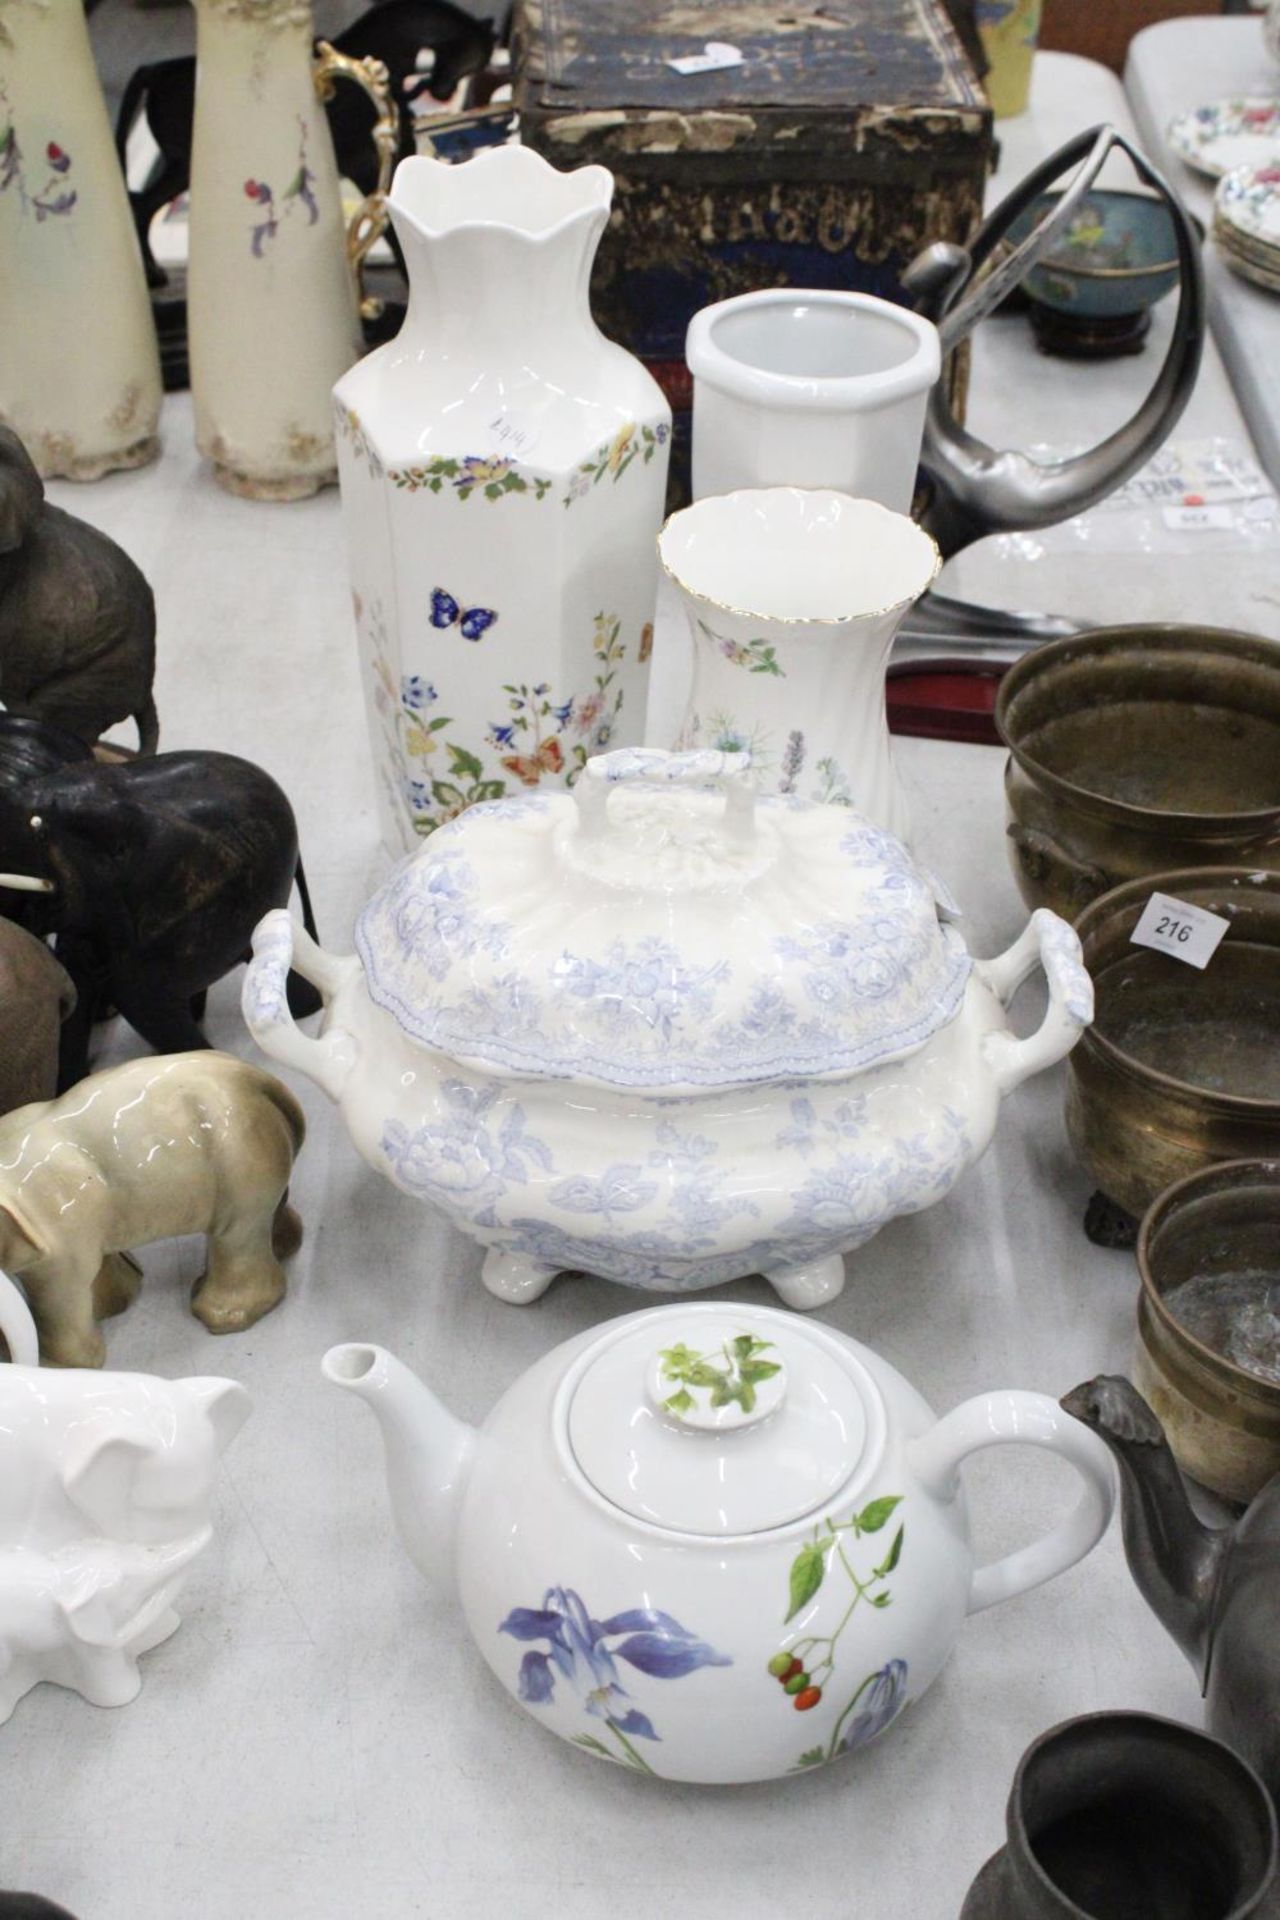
(664, 1030)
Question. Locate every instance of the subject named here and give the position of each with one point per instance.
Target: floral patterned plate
(1217, 138)
(1247, 204)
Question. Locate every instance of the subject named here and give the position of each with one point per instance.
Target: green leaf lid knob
(720, 1420)
(741, 1381)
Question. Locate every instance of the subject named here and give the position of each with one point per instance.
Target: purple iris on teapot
(579, 1651)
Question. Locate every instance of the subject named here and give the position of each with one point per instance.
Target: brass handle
(1041, 852)
(369, 221)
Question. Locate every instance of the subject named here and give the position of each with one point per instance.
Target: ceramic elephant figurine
(36, 995)
(188, 1143)
(77, 618)
(157, 872)
(106, 1495)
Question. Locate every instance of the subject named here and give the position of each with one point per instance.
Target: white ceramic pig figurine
(106, 1481)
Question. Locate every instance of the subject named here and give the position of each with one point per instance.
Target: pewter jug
(1215, 1589)
(1123, 1816)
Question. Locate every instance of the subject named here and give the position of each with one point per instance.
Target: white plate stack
(1246, 223)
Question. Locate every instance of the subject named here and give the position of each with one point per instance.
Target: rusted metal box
(852, 133)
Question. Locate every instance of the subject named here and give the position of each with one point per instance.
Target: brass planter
(1221, 1419)
(1133, 750)
(1179, 1069)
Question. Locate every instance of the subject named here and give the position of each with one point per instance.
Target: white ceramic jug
(503, 472)
(817, 389)
(794, 595)
(79, 366)
(272, 300)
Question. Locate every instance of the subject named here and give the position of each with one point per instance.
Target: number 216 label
(1175, 926)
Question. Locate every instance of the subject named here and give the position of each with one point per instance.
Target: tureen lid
(719, 1420)
(638, 933)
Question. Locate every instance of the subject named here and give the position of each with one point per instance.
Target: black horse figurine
(394, 32)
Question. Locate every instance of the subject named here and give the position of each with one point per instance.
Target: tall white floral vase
(79, 364)
(503, 469)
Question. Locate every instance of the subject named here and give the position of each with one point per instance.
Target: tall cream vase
(272, 302)
(79, 366)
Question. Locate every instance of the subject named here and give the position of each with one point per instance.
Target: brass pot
(1133, 750)
(1180, 1068)
(1221, 1419)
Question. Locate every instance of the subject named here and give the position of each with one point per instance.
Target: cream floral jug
(272, 300)
(79, 366)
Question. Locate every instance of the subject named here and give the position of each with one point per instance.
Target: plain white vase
(810, 389)
(79, 365)
(503, 470)
(272, 299)
(794, 595)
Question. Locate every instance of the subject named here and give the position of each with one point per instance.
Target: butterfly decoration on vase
(547, 757)
(472, 622)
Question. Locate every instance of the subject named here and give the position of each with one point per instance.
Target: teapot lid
(638, 934)
(720, 1419)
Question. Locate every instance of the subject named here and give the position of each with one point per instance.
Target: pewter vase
(79, 365)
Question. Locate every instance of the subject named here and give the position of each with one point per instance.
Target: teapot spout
(1174, 1558)
(428, 1453)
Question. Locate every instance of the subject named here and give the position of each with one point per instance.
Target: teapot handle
(279, 945)
(1049, 942)
(369, 221)
(977, 490)
(655, 766)
(1010, 1417)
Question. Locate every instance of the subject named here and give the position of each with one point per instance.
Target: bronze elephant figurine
(36, 996)
(77, 618)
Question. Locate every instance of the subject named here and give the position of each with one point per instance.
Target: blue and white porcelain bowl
(666, 1031)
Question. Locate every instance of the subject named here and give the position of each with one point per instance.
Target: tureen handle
(1049, 942)
(654, 766)
(1028, 1420)
(278, 945)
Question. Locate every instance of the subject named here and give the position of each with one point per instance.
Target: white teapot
(712, 1542)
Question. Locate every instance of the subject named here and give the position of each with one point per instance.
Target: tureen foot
(515, 1277)
(811, 1285)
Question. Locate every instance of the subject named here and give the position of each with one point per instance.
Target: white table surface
(1187, 63)
(320, 1740)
